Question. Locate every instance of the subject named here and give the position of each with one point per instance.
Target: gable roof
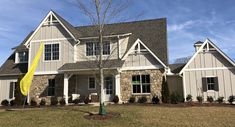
(152, 32)
(176, 68)
(201, 48)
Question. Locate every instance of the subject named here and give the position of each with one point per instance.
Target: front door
(109, 88)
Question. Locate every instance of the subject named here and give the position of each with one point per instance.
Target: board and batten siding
(210, 64)
(142, 59)
(5, 87)
(66, 47)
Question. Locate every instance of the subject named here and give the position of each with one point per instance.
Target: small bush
(189, 98)
(62, 101)
(155, 100)
(231, 99)
(86, 100)
(116, 99)
(42, 102)
(132, 99)
(33, 102)
(142, 99)
(54, 101)
(220, 99)
(210, 99)
(5, 103)
(12, 102)
(76, 101)
(175, 98)
(199, 99)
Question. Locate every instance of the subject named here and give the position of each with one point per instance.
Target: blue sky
(187, 21)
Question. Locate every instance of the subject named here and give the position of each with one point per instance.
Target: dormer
(21, 57)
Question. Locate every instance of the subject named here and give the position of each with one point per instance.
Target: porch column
(66, 87)
(117, 86)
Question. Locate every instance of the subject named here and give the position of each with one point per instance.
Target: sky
(188, 21)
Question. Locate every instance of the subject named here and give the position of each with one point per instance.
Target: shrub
(5, 103)
(54, 101)
(116, 99)
(62, 101)
(33, 102)
(76, 101)
(199, 99)
(189, 98)
(42, 102)
(175, 98)
(155, 100)
(86, 100)
(132, 99)
(12, 102)
(231, 99)
(210, 99)
(142, 99)
(220, 99)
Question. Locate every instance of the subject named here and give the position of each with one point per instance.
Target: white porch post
(66, 87)
(117, 86)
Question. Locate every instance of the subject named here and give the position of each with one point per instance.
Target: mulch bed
(109, 115)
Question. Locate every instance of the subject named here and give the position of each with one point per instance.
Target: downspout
(118, 48)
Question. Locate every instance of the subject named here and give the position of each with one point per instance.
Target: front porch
(82, 84)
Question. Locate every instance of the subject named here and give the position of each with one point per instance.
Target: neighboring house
(210, 72)
(135, 60)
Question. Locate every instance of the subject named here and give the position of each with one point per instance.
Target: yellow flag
(25, 83)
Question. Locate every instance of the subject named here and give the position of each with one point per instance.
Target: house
(135, 60)
(209, 72)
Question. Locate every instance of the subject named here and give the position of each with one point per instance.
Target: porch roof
(90, 65)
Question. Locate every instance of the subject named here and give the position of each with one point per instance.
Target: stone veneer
(39, 87)
(155, 84)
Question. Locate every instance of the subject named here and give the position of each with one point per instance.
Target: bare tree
(100, 12)
(182, 60)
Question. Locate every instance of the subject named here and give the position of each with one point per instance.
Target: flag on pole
(25, 83)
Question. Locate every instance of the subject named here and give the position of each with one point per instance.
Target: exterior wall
(5, 87)
(202, 63)
(66, 47)
(226, 81)
(175, 84)
(123, 45)
(39, 87)
(81, 51)
(78, 84)
(143, 59)
(126, 84)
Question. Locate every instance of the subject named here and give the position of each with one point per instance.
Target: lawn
(131, 116)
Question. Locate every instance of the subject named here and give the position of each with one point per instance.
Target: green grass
(131, 116)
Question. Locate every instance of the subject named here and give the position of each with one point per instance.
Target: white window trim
(15, 82)
(210, 83)
(89, 84)
(47, 43)
(93, 41)
(141, 84)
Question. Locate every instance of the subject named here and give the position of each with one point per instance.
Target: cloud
(177, 27)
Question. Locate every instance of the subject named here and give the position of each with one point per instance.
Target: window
(210, 83)
(93, 48)
(12, 90)
(51, 87)
(51, 52)
(91, 83)
(141, 84)
(23, 57)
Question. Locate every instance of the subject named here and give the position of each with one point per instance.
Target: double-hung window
(140, 84)
(210, 83)
(51, 52)
(93, 48)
